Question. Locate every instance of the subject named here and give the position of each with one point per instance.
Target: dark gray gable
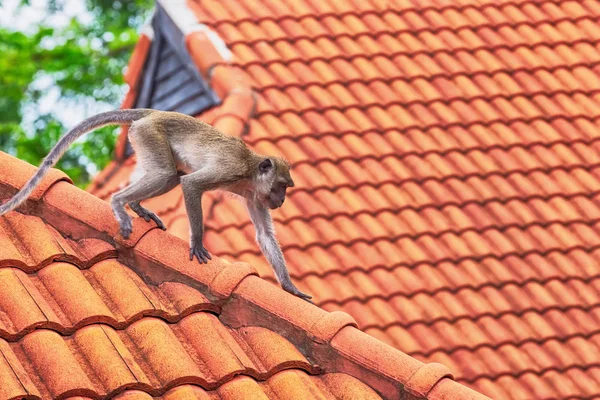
(170, 80)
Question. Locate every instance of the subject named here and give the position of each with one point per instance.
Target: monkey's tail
(121, 117)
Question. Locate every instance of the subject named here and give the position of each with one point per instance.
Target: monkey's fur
(164, 141)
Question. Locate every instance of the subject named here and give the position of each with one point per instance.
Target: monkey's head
(273, 179)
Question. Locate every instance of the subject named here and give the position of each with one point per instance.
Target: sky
(29, 17)
(26, 19)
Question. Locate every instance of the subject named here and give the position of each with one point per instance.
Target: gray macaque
(167, 141)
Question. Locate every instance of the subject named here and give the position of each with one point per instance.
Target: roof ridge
(330, 338)
(132, 78)
(335, 334)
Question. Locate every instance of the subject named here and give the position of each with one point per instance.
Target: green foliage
(83, 65)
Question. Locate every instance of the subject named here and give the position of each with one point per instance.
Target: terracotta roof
(447, 161)
(85, 313)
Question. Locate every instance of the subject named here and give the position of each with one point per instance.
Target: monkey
(166, 143)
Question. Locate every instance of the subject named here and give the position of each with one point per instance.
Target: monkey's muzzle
(275, 203)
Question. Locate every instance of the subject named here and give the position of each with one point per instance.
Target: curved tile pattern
(64, 298)
(150, 355)
(447, 167)
(279, 386)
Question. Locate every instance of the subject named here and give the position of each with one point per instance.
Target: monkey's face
(275, 174)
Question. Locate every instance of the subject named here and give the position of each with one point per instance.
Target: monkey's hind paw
(126, 229)
(149, 215)
(201, 254)
(157, 221)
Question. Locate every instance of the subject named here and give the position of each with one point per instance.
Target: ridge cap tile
(80, 214)
(357, 351)
(225, 79)
(239, 100)
(137, 61)
(30, 244)
(448, 389)
(230, 277)
(161, 256)
(203, 52)
(378, 364)
(330, 324)
(426, 377)
(265, 297)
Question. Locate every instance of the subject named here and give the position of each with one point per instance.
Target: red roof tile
(447, 174)
(84, 313)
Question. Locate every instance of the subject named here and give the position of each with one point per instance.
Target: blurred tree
(81, 63)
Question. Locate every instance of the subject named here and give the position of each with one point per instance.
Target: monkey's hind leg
(136, 207)
(151, 185)
(146, 214)
(155, 159)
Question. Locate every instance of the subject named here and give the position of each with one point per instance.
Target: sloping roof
(85, 313)
(446, 158)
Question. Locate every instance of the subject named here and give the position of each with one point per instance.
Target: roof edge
(334, 341)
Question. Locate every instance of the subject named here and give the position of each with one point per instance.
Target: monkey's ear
(265, 165)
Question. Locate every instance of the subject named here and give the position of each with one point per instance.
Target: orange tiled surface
(447, 165)
(86, 314)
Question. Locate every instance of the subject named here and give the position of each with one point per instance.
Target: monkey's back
(197, 144)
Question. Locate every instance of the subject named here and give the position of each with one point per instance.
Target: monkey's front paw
(290, 288)
(200, 252)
